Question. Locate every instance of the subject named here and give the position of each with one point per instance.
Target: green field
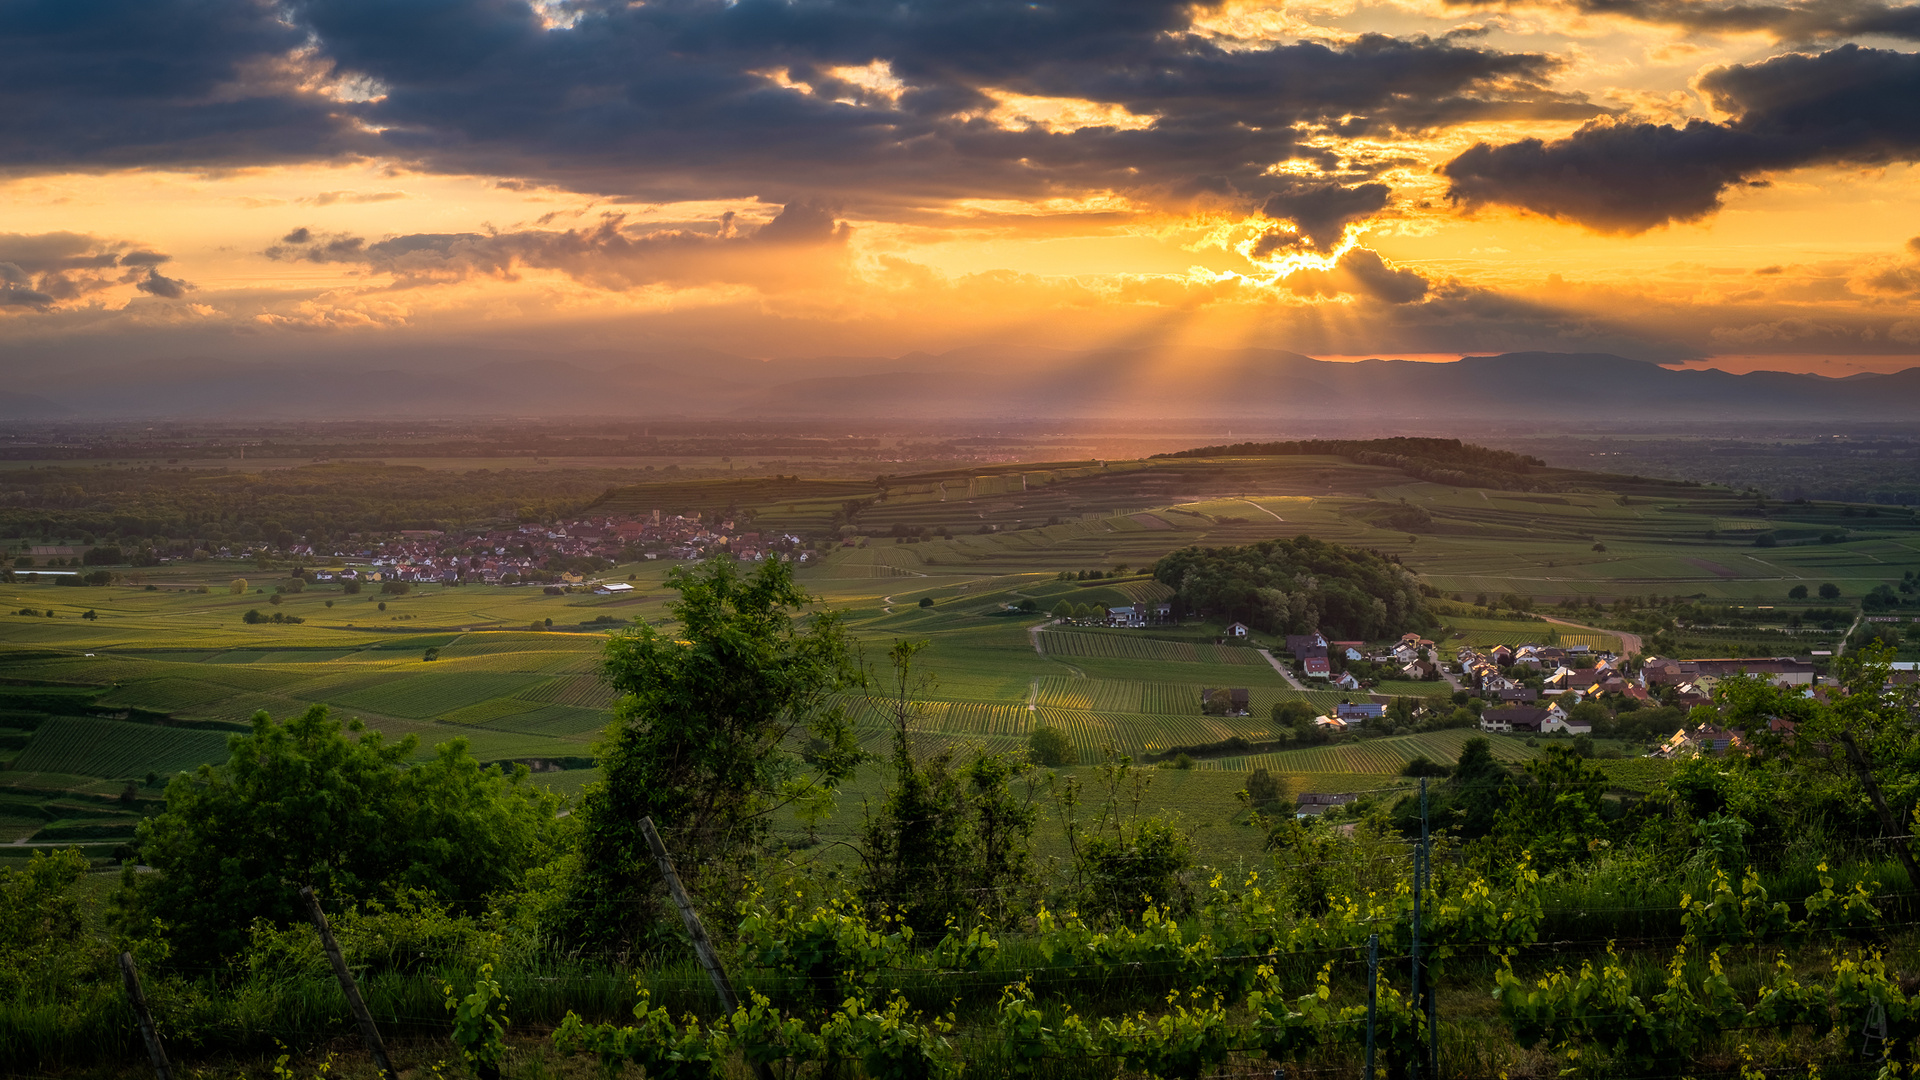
(160, 649)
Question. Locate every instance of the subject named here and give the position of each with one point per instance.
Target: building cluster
(1135, 616)
(1500, 674)
(1316, 655)
(558, 552)
(1693, 680)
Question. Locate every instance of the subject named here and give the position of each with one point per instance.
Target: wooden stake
(367, 1031)
(702, 944)
(131, 976)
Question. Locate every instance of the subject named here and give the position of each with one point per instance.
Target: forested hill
(1296, 586)
(1442, 461)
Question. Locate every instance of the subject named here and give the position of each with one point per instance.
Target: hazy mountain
(981, 381)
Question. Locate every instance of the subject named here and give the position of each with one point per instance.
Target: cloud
(1363, 273)
(1847, 105)
(1891, 277)
(126, 83)
(876, 108)
(328, 198)
(1805, 21)
(41, 270)
(164, 287)
(790, 250)
(1321, 211)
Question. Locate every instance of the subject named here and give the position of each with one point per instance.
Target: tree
(1062, 610)
(1049, 746)
(1829, 591)
(1265, 790)
(309, 802)
(352, 587)
(1865, 735)
(699, 741)
(951, 840)
(1798, 592)
(238, 586)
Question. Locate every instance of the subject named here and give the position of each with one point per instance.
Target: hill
(998, 381)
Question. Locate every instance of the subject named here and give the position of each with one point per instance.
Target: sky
(1709, 182)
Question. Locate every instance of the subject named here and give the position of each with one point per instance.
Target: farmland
(165, 665)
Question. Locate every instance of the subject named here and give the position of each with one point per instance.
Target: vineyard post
(138, 999)
(1426, 881)
(1373, 994)
(368, 1031)
(702, 944)
(1418, 850)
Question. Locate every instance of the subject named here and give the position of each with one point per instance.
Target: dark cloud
(684, 98)
(1849, 104)
(164, 287)
(612, 255)
(38, 270)
(1321, 211)
(118, 83)
(1808, 21)
(1363, 273)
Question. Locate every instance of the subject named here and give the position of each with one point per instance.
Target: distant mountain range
(979, 382)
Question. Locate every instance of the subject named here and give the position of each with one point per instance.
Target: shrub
(396, 588)
(309, 802)
(1798, 592)
(1265, 790)
(1049, 746)
(238, 586)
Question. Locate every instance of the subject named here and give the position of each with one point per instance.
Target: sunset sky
(1725, 182)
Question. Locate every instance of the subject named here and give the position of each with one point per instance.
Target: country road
(1284, 673)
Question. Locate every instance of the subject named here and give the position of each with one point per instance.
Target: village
(564, 553)
(1522, 690)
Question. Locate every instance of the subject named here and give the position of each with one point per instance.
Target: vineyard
(425, 696)
(1127, 645)
(90, 746)
(1377, 756)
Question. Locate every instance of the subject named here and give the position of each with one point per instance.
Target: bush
(352, 587)
(310, 803)
(1049, 746)
(1265, 790)
(1829, 591)
(238, 586)
(1798, 592)
(396, 588)
(1422, 766)
(926, 601)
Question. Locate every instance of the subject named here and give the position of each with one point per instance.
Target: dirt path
(1840, 647)
(1033, 634)
(1284, 673)
(1263, 510)
(1629, 643)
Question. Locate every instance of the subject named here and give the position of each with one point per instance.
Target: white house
(1237, 630)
